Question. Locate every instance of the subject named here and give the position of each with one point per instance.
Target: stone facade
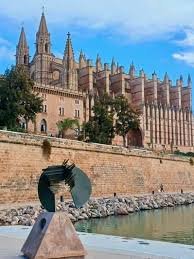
(68, 88)
(110, 168)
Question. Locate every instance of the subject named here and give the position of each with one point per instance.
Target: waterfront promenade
(99, 246)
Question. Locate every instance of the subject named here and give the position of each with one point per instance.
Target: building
(68, 88)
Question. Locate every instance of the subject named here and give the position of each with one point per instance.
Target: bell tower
(43, 56)
(22, 50)
(43, 44)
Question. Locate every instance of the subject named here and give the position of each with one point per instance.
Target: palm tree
(67, 124)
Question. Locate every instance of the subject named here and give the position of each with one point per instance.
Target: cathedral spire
(43, 43)
(68, 54)
(22, 40)
(69, 73)
(22, 50)
(43, 26)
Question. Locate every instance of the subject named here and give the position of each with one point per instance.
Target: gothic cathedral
(68, 88)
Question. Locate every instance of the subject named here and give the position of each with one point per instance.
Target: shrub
(177, 152)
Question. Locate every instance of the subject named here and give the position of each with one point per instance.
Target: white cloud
(187, 57)
(137, 20)
(188, 41)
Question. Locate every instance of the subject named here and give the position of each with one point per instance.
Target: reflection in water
(170, 224)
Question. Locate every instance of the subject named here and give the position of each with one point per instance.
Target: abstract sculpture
(78, 182)
(53, 235)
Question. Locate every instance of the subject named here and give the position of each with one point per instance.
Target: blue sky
(154, 34)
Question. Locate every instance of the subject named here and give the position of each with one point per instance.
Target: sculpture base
(53, 236)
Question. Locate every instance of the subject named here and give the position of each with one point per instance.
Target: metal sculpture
(78, 182)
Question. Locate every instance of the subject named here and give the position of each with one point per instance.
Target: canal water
(169, 224)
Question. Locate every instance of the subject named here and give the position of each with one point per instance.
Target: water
(170, 224)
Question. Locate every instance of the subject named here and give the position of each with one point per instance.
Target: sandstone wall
(110, 168)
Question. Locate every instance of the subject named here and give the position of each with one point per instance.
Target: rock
(121, 211)
(28, 210)
(75, 213)
(170, 204)
(144, 207)
(98, 208)
(130, 210)
(85, 216)
(121, 200)
(15, 220)
(80, 217)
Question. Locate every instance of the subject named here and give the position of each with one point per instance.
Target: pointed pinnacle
(22, 40)
(81, 53)
(178, 82)
(132, 69)
(132, 65)
(98, 59)
(141, 72)
(166, 78)
(68, 46)
(43, 26)
(113, 60)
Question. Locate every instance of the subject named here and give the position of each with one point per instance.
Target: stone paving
(100, 246)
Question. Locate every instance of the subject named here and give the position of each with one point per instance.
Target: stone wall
(110, 168)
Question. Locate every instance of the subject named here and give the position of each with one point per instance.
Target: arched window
(43, 126)
(25, 60)
(46, 47)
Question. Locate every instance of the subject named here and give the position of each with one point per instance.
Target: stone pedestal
(53, 236)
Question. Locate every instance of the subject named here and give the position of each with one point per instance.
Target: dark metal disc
(78, 182)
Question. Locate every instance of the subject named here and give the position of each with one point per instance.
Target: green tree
(17, 99)
(66, 124)
(126, 118)
(99, 128)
